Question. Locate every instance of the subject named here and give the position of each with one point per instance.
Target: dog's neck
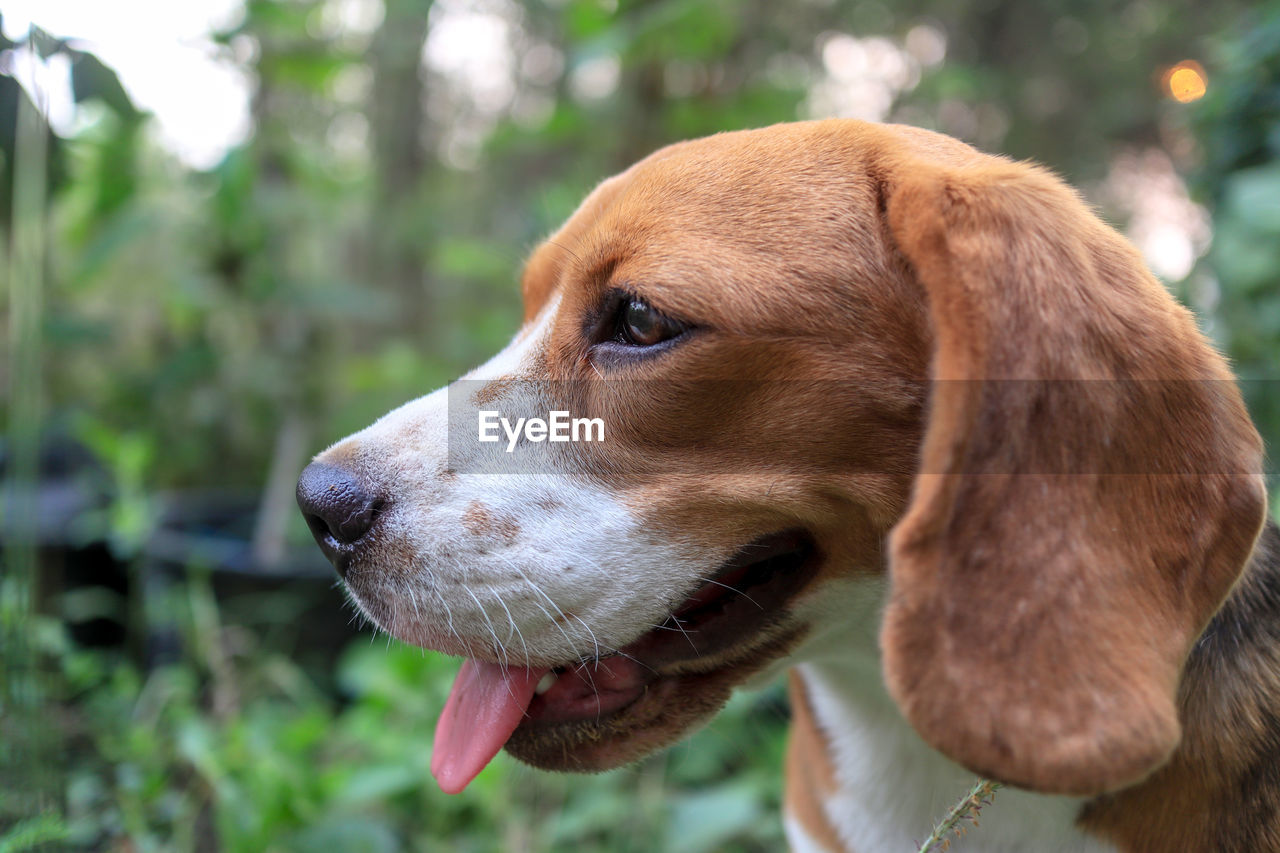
(859, 776)
(877, 786)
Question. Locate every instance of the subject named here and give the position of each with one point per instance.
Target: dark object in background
(78, 578)
(109, 600)
(294, 605)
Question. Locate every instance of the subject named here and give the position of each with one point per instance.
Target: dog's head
(819, 353)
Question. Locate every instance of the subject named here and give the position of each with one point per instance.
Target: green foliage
(1239, 123)
(221, 304)
(33, 834)
(248, 754)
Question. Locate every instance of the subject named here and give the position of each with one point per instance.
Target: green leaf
(1246, 260)
(1253, 195)
(33, 833)
(44, 43)
(340, 834)
(90, 78)
(702, 822)
(372, 784)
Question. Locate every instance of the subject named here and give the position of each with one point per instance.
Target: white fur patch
(894, 788)
(800, 841)
(534, 564)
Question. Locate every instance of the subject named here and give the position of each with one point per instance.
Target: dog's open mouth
(558, 717)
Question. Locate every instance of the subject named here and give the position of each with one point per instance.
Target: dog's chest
(891, 789)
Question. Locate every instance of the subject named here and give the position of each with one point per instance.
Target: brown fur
(1221, 790)
(479, 521)
(1046, 593)
(1007, 255)
(941, 363)
(811, 776)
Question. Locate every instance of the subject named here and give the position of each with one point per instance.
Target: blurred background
(236, 230)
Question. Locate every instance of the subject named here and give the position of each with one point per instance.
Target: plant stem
(22, 690)
(981, 794)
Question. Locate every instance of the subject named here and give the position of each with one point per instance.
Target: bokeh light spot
(1186, 81)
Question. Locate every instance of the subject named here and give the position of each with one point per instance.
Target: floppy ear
(1090, 487)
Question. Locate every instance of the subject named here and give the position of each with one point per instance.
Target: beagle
(901, 417)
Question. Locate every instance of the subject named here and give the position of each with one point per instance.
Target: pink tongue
(485, 706)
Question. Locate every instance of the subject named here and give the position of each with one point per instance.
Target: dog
(903, 418)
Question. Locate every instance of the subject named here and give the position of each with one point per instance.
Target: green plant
(237, 746)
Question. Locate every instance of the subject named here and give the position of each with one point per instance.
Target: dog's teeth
(545, 684)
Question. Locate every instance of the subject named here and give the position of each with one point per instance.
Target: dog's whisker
(635, 660)
(594, 641)
(514, 628)
(498, 649)
(556, 622)
(599, 662)
(676, 620)
(733, 589)
(586, 673)
(539, 591)
(417, 616)
(673, 630)
(448, 615)
(461, 570)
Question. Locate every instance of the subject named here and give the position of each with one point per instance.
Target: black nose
(338, 509)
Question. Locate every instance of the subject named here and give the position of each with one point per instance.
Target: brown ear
(1090, 487)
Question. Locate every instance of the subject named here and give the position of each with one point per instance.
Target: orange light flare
(1185, 82)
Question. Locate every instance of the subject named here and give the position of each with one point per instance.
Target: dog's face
(752, 317)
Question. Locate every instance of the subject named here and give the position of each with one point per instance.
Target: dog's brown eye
(639, 325)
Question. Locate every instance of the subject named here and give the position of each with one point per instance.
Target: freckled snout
(338, 509)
